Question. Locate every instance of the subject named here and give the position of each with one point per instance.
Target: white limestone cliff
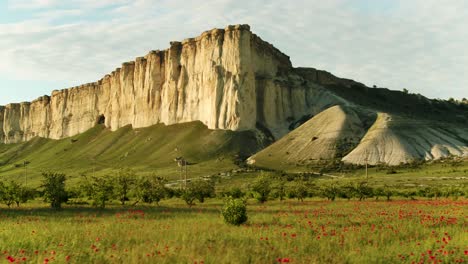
(226, 78)
(231, 79)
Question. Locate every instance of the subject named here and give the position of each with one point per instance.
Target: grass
(147, 150)
(211, 152)
(313, 231)
(437, 174)
(298, 232)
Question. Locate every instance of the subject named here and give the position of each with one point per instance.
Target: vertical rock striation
(226, 78)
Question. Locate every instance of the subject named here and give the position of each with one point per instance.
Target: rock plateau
(231, 79)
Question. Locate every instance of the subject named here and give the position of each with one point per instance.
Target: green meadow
(310, 215)
(313, 231)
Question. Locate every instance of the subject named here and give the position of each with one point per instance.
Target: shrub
(54, 189)
(234, 212)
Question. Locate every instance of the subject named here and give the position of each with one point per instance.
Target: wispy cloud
(416, 44)
(32, 4)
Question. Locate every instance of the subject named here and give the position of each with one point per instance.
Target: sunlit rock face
(231, 79)
(227, 78)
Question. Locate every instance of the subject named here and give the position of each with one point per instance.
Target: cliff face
(226, 78)
(230, 79)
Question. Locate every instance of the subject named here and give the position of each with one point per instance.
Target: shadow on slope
(331, 134)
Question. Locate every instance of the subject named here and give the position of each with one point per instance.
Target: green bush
(234, 212)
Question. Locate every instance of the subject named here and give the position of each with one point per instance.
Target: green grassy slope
(147, 150)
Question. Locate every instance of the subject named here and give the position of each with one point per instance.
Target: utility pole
(182, 164)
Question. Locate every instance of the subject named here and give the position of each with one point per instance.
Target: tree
(124, 180)
(4, 194)
(329, 191)
(347, 191)
(405, 91)
(203, 189)
(385, 191)
(14, 193)
(234, 193)
(363, 190)
(262, 187)
(2, 189)
(300, 190)
(279, 189)
(54, 189)
(199, 190)
(151, 189)
(99, 189)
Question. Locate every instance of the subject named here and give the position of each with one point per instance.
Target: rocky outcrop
(394, 139)
(358, 136)
(230, 79)
(226, 78)
(332, 133)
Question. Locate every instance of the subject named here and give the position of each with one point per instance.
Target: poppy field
(290, 231)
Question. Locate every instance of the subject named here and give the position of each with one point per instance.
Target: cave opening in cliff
(101, 120)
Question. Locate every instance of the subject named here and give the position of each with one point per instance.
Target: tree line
(267, 187)
(126, 187)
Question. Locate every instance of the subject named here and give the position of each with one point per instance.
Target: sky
(420, 45)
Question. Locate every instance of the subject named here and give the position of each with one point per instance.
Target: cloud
(419, 45)
(32, 4)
